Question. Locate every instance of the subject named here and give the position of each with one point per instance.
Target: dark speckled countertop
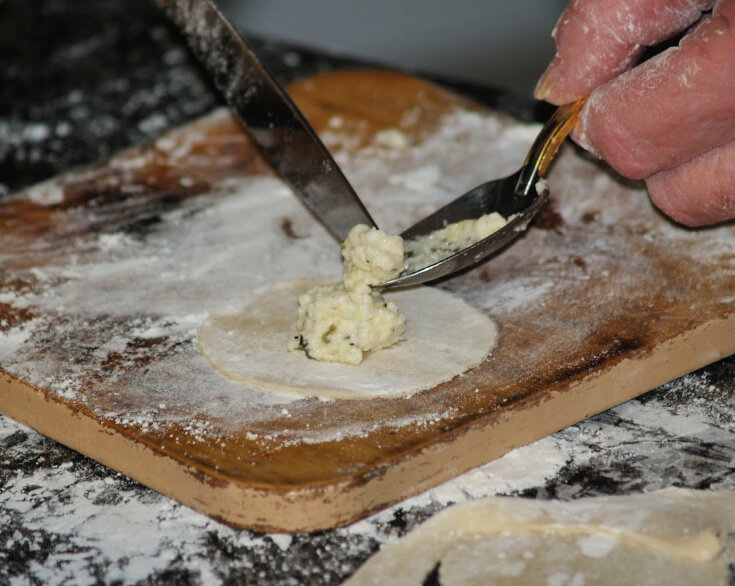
(82, 79)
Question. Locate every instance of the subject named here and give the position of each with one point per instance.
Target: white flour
(56, 500)
(202, 257)
(80, 503)
(120, 293)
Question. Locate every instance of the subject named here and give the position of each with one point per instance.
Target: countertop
(81, 80)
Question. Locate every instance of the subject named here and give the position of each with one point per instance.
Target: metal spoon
(520, 195)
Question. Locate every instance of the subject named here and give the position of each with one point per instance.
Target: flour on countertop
(390, 138)
(71, 500)
(199, 258)
(191, 252)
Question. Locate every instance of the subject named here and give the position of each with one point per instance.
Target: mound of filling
(340, 323)
(439, 244)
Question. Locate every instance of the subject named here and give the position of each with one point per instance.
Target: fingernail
(548, 80)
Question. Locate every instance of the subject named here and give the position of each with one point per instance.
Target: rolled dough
(670, 537)
(444, 337)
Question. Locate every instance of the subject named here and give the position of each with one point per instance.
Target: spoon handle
(548, 141)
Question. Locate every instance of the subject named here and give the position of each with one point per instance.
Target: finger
(597, 41)
(671, 108)
(699, 192)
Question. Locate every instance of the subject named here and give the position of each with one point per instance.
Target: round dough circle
(444, 337)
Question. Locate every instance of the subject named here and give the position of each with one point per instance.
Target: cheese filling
(439, 244)
(340, 323)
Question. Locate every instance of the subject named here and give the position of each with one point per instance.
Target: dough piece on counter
(444, 337)
(670, 537)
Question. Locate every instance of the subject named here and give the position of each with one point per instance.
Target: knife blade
(273, 121)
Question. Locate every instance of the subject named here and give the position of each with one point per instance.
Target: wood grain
(595, 341)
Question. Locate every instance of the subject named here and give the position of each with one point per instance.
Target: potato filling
(340, 323)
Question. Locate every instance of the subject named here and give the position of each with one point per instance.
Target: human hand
(669, 120)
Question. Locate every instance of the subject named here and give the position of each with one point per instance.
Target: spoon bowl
(518, 197)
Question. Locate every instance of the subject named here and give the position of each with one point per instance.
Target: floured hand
(669, 120)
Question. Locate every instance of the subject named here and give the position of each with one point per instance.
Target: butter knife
(273, 121)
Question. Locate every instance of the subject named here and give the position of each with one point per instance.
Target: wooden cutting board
(603, 299)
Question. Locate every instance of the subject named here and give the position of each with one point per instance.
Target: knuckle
(667, 197)
(693, 194)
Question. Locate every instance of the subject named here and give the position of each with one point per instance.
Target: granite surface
(81, 80)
